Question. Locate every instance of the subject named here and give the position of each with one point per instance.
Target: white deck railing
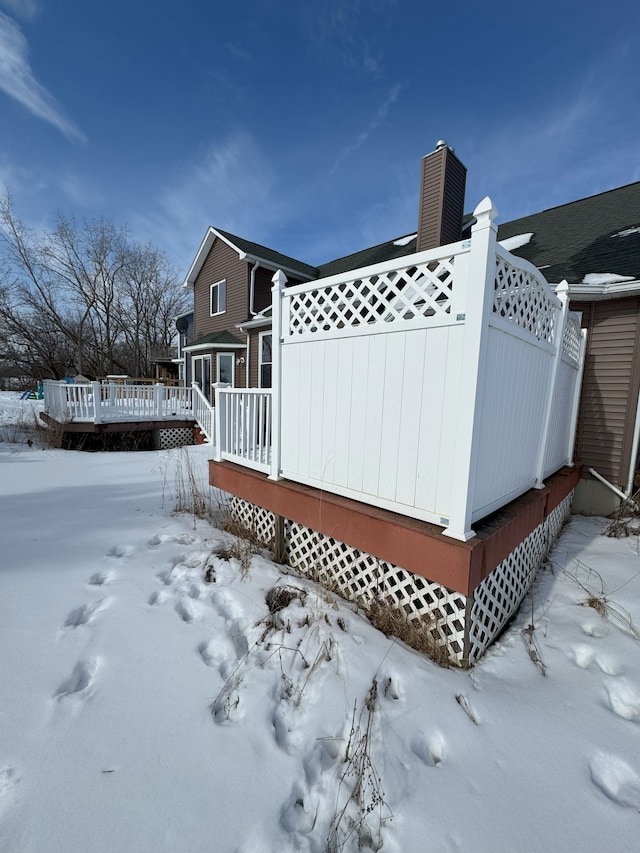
(244, 427)
(203, 413)
(440, 385)
(96, 402)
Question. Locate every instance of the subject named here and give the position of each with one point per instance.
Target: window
(226, 362)
(265, 360)
(218, 298)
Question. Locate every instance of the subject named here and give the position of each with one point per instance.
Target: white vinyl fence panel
(440, 385)
(359, 420)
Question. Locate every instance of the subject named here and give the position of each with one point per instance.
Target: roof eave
(272, 265)
(203, 251)
(598, 292)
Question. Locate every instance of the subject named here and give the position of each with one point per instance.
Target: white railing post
(97, 401)
(158, 393)
(562, 293)
(480, 288)
(279, 282)
(219, 421)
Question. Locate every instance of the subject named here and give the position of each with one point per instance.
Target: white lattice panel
(164, 439)
(572, 338)
(498, 597)
(557, 518)
(523, 299)
(258, 522)
(361, 577)
(405, 293)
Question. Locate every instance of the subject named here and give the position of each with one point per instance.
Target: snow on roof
(605, 278)
(516, 241)
(627, 232)
(404, 241)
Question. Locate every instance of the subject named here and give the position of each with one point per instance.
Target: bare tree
(82, 298)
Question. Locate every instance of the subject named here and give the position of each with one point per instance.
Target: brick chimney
(441, 198)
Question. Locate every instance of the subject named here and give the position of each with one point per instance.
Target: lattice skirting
(499, 595)
(164, 439)
(465, 626)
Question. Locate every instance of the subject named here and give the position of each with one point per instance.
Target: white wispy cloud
(578, 142)
(229, 184)
(24, 9)
(340, 24)
(17, 81)
(363, 135)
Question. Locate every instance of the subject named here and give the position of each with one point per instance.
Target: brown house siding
(254, 349)
(262, 289)
(222, 262)
(609, 387)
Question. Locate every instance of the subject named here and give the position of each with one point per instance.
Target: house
(231, 280)
(399, 422)
(592, 243)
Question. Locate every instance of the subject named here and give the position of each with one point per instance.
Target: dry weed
(419, 632)
(600, 600)
(192, 492)
(365, 811)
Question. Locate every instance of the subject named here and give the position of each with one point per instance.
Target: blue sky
(300, 124)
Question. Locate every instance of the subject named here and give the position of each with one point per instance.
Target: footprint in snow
(218, 652)
(8, 781)
(84, 614)
(430, 749)
(164, 538)
(186, 611)
(157, 597)
(100, 578)
(616, 779)
(584, 655)
(595, 628)
(194, 591)
(226, 604)
(80, 681)
(624, 699)
(120, 551)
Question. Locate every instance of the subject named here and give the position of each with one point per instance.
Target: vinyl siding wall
(222, 263)
(609, 386)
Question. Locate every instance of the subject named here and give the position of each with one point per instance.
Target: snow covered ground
(150, 700)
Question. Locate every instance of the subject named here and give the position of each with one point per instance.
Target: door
(202, 373)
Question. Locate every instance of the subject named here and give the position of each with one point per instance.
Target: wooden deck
(116, 426)
(417, 546)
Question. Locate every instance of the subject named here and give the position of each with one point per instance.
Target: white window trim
(232, 356)
(260, 362)
(217, 284)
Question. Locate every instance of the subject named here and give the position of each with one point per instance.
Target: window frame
(232, 356)
(261, 363)
(220, 288)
